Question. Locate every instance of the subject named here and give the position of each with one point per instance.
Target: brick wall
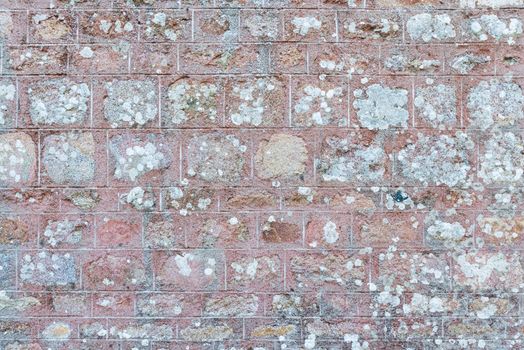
(261, 174)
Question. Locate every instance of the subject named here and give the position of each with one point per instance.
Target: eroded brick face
(261, 174)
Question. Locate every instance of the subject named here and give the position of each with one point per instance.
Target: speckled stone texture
(261, 174)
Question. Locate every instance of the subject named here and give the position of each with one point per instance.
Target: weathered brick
(119, 270)
(343, 59)
(52, 26)
(136, 155)
(281, 229)
(373, 26)
(319, 102)
(414, 59)
(333, 272)
(254, 271)
(168, 25)
(235, 230)
(258, 101)
(17, 159)
(192, 101)
(66, 232)
(216, 25)
(353, 158)
(283, 158)
(309, 26)
(100, 58)
(217, 58)
(485, 271)
(74, 159)
(100, 26)
(189, 270)
(217, 157)
(168, 305)
(261, 174)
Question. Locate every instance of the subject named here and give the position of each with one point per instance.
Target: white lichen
(130, 103)
(139, 160)
(438, 160)
(7, 93)
(304, 24)
(380, 107)
(502, 160)
(191, 100)
(495, 102)
(437, 104)
(140, 199)
(253, 105)
(490, 25)
(317, 105)
(330, 232)
(58, 101)
(426, 27)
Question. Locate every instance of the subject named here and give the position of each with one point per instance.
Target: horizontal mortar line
(274, 248)
(262, 129)
(263, 317)
(257, 74)
(268, 7)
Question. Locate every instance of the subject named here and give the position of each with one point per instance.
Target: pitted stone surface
(216, 157)
(130, 103)
(261, 174)
(59, 102)
(282, 156)
(69, 158)
(17, 158)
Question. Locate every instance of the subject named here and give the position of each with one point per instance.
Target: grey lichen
(380, 107)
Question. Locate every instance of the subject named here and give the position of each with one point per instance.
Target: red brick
(339, 270)
(193, 270)
(309, 26)
(118, 230)
(378, 229)
(259, 174)
(254, 270)
(288, 58)
(325, 230)
(52, 26)
(35, 59)
(99, 26)
(99, 58)
(223, 231)
(118, 270)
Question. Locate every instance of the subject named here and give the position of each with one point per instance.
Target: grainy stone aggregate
(261, 174)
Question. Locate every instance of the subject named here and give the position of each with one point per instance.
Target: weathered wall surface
(261, 174)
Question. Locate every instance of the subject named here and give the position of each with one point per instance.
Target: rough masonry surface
(261, 174)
